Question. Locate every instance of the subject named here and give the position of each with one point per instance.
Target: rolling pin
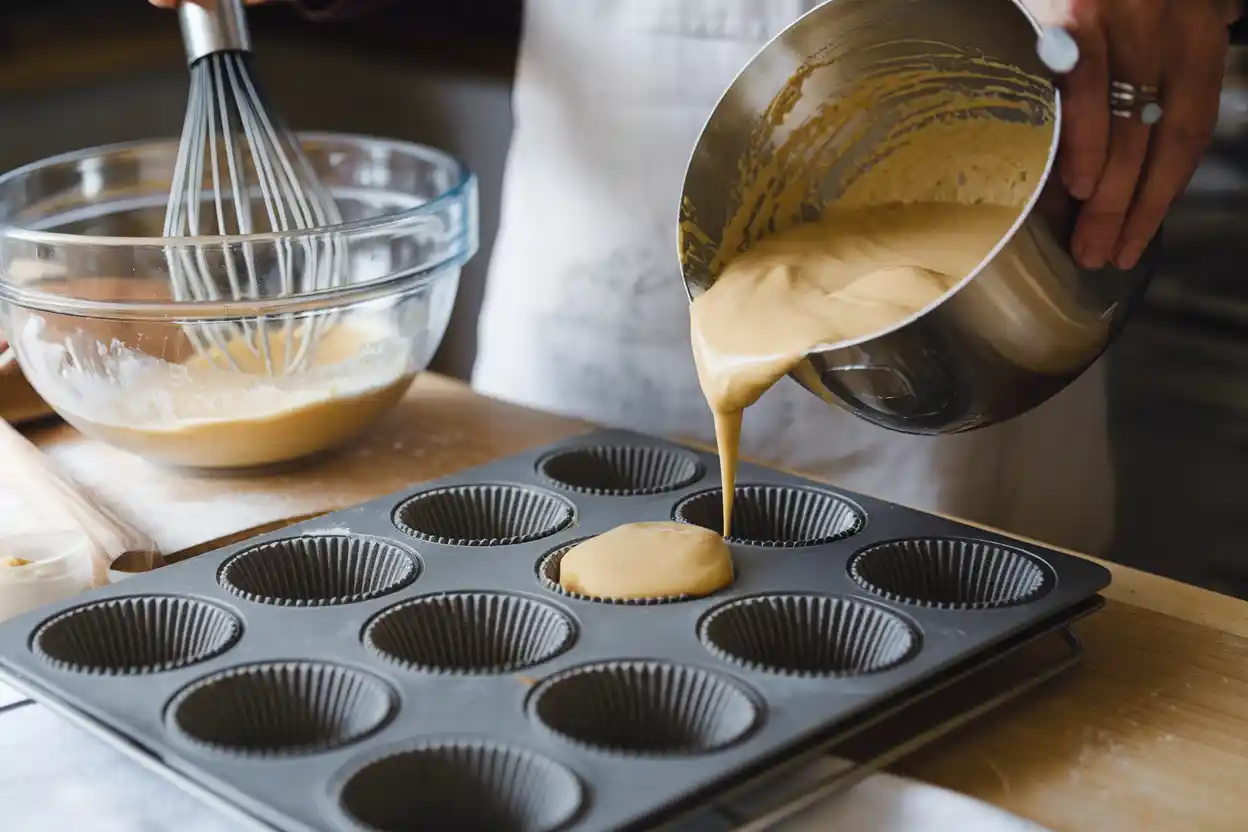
(115, 543)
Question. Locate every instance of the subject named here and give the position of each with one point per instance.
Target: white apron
(585, 312)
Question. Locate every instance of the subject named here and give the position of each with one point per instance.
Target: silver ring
(1129, 101)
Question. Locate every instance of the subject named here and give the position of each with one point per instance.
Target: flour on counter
(177, 521)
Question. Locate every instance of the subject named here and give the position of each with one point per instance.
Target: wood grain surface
(438, 428)
(1149, 732)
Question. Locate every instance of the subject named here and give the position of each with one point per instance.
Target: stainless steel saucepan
(1025, 324)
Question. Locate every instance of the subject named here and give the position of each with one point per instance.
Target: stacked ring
(1131, 101)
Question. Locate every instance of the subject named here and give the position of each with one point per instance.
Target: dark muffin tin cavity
(136, 635)
(277, 708)
(483, 515)
(768, 515)
(645, 708)
(318, 570)
(470, 632)
(813, 635)
(461, 785)
(621, 470)
(950, 573)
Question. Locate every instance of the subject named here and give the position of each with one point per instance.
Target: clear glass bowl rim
(463, 187)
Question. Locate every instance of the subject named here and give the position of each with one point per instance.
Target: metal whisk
(240, 171)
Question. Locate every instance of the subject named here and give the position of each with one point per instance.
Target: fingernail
(1080, 187)
(1089, 256)
(1129, 256)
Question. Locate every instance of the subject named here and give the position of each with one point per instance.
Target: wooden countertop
(1149, 732)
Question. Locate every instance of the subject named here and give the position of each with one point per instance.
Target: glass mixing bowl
(244, 376)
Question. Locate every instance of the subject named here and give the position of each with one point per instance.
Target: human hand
(1126, 172)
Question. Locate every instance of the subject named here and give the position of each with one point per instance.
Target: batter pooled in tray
(648, 560)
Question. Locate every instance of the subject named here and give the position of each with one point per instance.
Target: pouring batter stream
(854, 273)
(916, 170)
(922, 206)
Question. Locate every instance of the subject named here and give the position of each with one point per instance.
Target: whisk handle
(210, 26)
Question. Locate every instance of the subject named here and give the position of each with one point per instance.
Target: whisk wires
(239, 171)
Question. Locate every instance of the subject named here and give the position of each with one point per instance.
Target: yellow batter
(648, 560)
(855, 273)
(917, 211)
(210, 414)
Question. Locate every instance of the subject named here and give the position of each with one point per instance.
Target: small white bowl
(59, 566)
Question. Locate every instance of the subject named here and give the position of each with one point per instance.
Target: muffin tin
(413, 663)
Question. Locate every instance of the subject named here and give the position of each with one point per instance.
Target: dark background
(75, 73)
